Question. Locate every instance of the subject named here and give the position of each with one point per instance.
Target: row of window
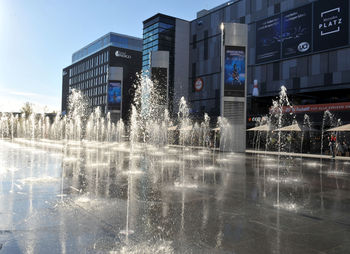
(102, 42)
(157, 34)
(98, 100)
(100, 90)
(90, 83)
(89, 74)
(88, 64)
(150, 38)
(146, 53)
(150, 44)
(150, 30)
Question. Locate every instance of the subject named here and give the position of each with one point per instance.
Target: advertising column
(233, 86)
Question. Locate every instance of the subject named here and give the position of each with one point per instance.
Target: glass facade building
(159, 35)
(91, 69)
(289, 43)
(110, 39)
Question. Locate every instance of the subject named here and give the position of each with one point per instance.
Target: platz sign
(331, 27)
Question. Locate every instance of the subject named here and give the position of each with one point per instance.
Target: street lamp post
(222, 69)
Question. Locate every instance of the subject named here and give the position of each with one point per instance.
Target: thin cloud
(28, 94)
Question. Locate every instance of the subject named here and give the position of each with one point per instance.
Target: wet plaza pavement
(107, 198)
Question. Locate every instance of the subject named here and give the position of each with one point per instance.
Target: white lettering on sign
(331, 22)
(303, 47)
(122, 54)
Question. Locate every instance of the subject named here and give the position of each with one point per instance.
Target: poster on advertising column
(268, 39)
(114, 95)
(331, 28)
(296, 31)
(235, 72)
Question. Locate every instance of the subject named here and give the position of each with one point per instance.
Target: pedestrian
(332, 142)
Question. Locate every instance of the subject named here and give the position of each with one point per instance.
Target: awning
(296, 127)
(172, 128)
(345, 127)
(293, 127)
(264, 127)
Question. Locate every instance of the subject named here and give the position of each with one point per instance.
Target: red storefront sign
(342, 106)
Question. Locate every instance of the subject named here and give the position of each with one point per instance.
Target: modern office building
(105, 71)
(301, 44)
(165, 55)
(185, 52)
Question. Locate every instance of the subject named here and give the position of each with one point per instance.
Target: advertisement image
(235, 73)
(268, 39)
(114, 95)
(331, 27)
(296, 31)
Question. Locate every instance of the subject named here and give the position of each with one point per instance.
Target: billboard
(235, 73)
(114, 95)
(331, 27)
(268, 39)
(296, 31)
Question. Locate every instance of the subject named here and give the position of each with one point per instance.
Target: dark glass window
(276, 71)
(194, 74)
(206, 50)
(277, 8)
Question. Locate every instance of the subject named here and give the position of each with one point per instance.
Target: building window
(193, 76)
(206, 51)
(194, 41)
(277, 8)
(276, 71)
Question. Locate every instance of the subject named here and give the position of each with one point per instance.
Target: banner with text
(268, 39)
(331, 26)
(296, 31)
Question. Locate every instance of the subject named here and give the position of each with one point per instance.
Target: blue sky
(38, 37)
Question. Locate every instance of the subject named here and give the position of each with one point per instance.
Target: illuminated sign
(296, 31)
(331, 24)
(268, 39)
(341, 106)
(314, 27)
(234, 80)
(114, 95)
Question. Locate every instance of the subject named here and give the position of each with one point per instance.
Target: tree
(27, 109)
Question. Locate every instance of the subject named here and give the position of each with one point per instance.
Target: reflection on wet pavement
(107, 198)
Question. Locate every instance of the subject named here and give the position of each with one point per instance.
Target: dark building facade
(301, 44)
(105, 72)
(165, 54)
